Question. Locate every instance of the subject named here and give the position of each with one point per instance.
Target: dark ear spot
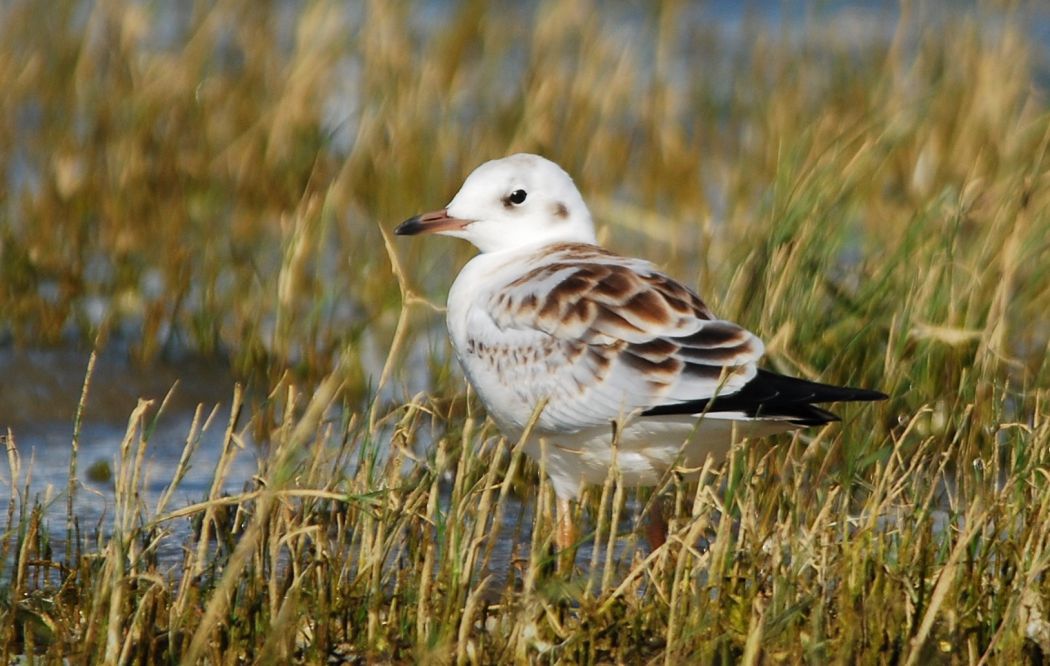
(560, 211)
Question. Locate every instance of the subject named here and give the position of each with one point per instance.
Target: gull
(624, 365)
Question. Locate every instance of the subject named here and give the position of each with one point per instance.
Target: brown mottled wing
(638, 338)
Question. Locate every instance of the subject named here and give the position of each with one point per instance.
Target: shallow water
(39, 399)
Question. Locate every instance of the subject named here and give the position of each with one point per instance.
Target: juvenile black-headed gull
(543, 314)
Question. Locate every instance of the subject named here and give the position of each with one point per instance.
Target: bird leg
(565, 534)
(656, 525)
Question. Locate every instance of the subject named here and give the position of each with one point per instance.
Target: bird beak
(429, 223)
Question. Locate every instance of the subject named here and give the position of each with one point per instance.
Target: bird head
(515, 202)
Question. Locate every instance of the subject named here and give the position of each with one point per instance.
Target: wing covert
(634, 338)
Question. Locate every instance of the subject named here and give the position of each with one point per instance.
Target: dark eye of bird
(517, 197)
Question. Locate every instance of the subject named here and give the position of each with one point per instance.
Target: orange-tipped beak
(429, 223)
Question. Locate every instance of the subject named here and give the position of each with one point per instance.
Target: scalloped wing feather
(626, 337)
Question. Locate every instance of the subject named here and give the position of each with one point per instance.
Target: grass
(224, 185)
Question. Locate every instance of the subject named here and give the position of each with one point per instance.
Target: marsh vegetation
(868, 193)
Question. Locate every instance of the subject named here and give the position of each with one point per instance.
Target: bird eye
(517, 197)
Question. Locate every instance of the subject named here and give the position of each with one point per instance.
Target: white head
(510, 203)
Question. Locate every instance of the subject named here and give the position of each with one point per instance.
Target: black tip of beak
(409, 227)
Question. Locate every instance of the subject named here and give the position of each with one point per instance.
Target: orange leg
(565, 536)
(656, 526)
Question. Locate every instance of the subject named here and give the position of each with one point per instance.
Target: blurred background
(201, 191)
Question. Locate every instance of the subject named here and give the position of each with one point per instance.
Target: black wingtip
(851, 394)
(795, 390)
(774, 396)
